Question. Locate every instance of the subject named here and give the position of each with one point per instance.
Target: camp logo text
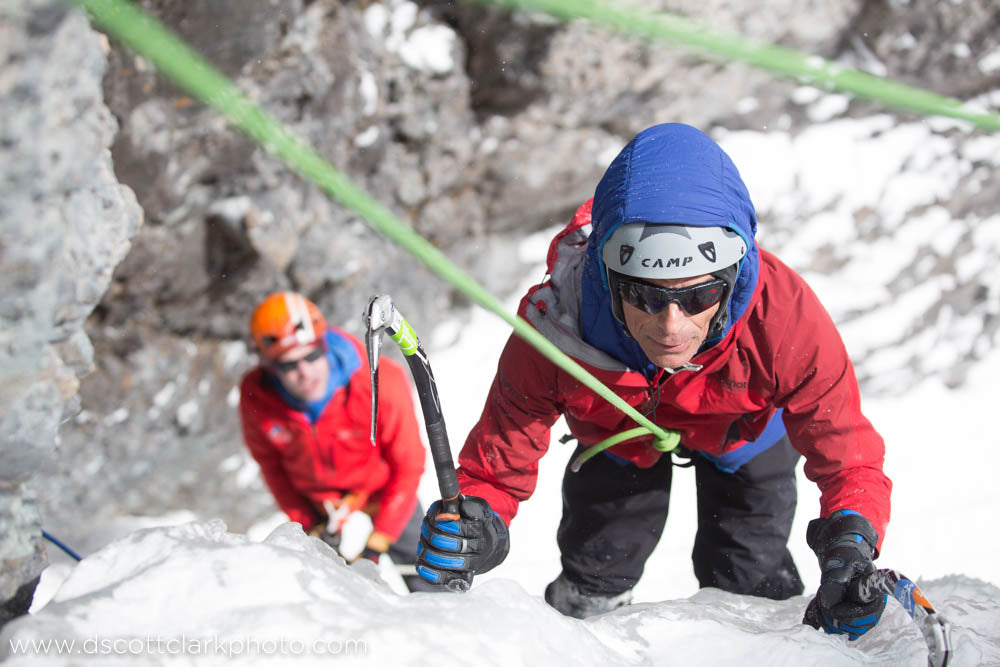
(665, 262)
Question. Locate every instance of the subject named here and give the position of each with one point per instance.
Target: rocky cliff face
(66, 223)
(474, 126)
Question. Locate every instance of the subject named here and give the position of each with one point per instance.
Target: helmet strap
(721, 318)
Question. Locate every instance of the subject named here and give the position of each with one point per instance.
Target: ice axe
(935, 629)
(336, 516)
(383, 317)
(339, 514)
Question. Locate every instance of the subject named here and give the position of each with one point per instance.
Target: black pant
(614, 513)
(20, 602)
(404, 550)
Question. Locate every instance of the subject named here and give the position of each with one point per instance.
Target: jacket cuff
(821, 533)
(500, 502)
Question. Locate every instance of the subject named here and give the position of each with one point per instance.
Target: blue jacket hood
(671, 174)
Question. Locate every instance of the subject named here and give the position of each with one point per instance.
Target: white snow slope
(196, 594)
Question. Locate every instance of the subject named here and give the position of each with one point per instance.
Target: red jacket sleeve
(294, 504)
(817, 387)
(499, 461)
(398, 436)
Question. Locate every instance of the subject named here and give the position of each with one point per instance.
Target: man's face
(671, 337)
(303, 372)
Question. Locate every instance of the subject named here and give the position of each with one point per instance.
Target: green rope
(171, 56)
(175, 59)
(804, 68)
(667, 444)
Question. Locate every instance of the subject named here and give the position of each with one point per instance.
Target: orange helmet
(285, 320)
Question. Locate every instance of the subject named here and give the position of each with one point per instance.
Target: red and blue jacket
(306, 459)
(779, 366)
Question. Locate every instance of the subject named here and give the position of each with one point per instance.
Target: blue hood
(670, 174)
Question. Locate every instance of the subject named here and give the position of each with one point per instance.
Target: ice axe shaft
(934, 628)
(383, 317)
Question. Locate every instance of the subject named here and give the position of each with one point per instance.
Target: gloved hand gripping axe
(935, 629)
(382, 316)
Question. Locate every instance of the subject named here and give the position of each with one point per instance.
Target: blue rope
(47, 535)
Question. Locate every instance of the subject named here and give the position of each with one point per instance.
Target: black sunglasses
(289, 366)
(652, 299)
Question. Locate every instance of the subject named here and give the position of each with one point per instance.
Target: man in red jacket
(658, 288)
(306, 415)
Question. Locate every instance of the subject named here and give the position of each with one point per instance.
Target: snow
(194, 593)
(862, 219)
(829, 106)
(990, 62)
(747, 105)
(116, 417)
(174, 590)
(232, 353)
(198, 594)
(427, 48)
(368, 89)
(186, 412)
(367, 138)
(161, 398)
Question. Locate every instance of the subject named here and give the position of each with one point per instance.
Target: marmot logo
(733, 385)
(708, 250)
(625, 254)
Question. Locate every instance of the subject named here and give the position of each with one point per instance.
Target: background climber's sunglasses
(289, 366)
(652, 299)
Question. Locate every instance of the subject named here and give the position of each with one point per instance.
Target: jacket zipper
(653, 386)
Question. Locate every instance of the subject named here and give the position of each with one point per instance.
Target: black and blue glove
(451, 552)
(845, 545)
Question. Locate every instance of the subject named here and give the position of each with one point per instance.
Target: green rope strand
(171, 56)
(667, 444)
(804, 68)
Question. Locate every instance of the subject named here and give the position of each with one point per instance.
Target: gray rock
(500, 125)
(66, 223)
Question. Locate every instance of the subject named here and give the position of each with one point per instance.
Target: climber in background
(306, 413)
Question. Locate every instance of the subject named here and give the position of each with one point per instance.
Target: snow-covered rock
(195, 594)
